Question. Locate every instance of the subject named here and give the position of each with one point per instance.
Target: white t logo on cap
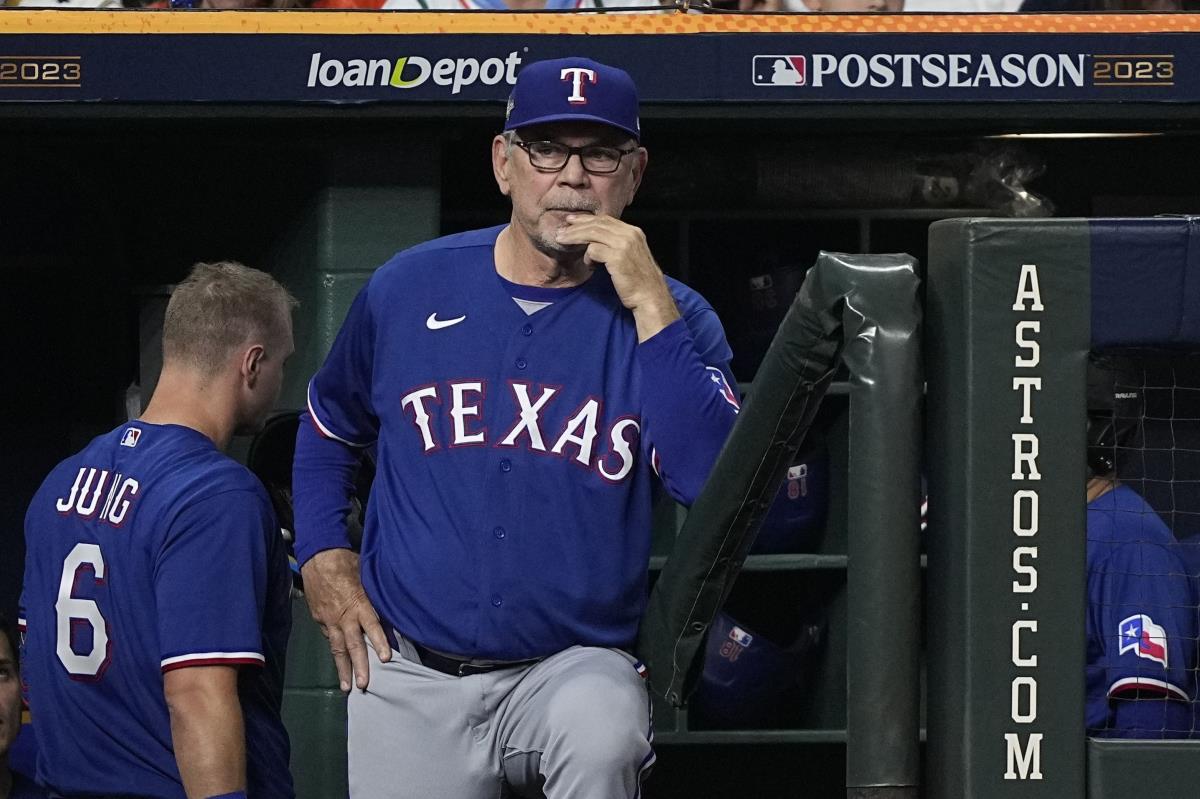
(576, 75)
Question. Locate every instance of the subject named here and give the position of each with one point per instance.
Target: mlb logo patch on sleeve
(130, 439)
(1140, 635)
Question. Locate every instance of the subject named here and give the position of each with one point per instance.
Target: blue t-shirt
(148, 551)
(1141, 623)
(510, 513)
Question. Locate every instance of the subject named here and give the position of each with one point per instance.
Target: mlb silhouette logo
(780, 70)
(130, 439)
(740, 636)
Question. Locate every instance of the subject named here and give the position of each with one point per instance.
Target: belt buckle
(466, 668)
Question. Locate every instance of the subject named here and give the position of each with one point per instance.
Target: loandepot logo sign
(929, 70)
(411, 71)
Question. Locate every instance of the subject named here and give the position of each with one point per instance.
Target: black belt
(463, 667)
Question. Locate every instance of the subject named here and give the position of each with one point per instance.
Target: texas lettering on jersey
(513, 425)
(462, 402)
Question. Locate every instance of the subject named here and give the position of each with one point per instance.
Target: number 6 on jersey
(72, 611)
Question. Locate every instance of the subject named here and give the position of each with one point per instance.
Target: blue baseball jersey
(517, 451)
(147, 551)
(1141, 623)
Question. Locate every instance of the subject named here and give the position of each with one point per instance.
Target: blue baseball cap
(567, 89)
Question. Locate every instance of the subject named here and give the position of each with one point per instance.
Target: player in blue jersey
(1142, 624)
(526, 386)
(156, 595)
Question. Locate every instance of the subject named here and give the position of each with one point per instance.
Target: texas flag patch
(723, 387)
(1141, 636)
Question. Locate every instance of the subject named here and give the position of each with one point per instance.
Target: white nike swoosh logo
(433, 323)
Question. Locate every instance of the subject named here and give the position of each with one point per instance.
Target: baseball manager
(528, 387)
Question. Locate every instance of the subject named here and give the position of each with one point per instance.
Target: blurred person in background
(814, 6)
(103, 4)
(1107, 6)
(964, 6)
(116, 5)
(489, 5)
(12, 784)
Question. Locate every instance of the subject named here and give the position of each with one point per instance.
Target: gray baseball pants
(576, 725)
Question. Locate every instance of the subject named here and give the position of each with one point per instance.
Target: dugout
(111, 195)
(1014, 307)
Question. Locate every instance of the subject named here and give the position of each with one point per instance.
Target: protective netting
(1143, 544)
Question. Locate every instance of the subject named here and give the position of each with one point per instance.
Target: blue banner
(467, 68)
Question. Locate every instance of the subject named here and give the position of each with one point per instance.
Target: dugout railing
(1013, 308)
(863, 311)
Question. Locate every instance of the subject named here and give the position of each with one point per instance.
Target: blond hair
(219, 307)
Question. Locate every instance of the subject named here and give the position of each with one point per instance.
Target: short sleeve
(1148, 622)
(210, 581)
(339, 395)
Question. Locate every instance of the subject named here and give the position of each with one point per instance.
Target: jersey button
(497, 601)
(505, 465)
(527, 329)
(522, 363)
(499, 532)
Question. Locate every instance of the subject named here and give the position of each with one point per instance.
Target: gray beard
(559, 252)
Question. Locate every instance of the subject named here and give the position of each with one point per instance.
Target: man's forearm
(207, 730)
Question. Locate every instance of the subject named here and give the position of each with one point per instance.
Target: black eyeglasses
(551, 156)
